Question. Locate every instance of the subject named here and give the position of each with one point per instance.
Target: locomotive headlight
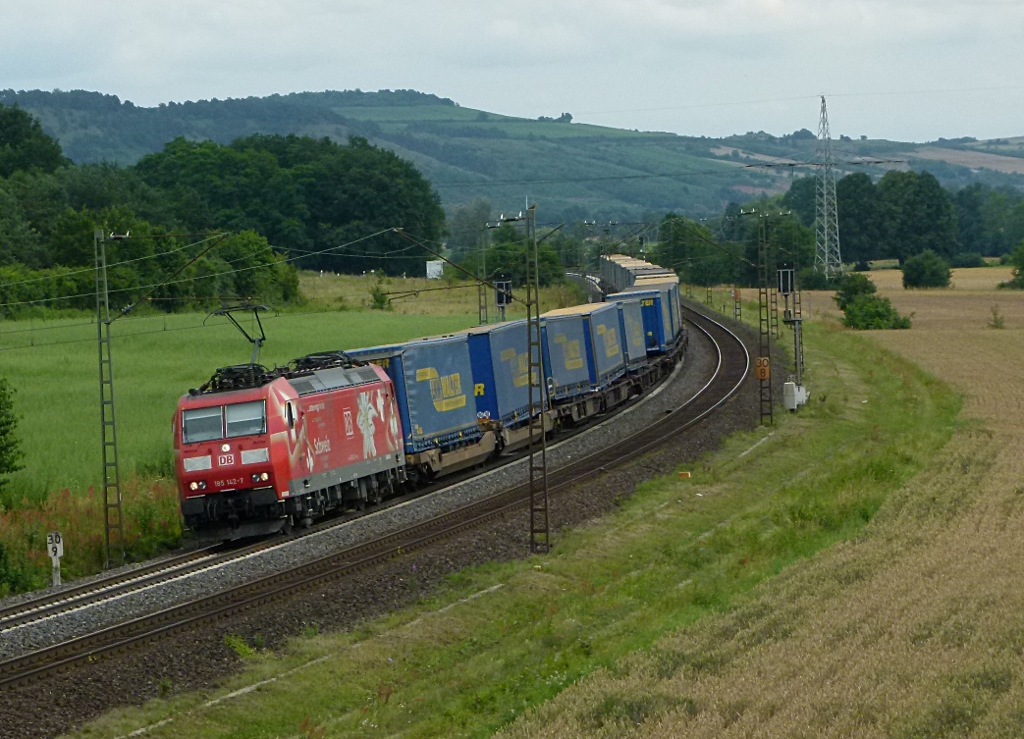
(264, 477)
(225, 447)
(193, 486)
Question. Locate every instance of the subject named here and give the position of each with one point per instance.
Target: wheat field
(914, 630)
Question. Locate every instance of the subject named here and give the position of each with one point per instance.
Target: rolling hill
(575, 170)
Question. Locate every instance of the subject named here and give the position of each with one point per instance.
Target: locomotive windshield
(223, 421)
(245, 419)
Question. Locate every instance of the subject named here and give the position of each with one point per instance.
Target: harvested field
(914, 630)
(972, 159)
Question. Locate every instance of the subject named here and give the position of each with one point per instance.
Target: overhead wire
(203, 277)
(113, 264)
(646, 176)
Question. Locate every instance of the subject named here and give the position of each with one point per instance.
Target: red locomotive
(257, 451)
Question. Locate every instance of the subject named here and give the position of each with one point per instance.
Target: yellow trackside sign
(763, 368)
(445, 391)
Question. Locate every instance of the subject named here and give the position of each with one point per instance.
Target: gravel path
(189, 661)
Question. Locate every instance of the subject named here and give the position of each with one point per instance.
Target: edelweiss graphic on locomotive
(258, 450)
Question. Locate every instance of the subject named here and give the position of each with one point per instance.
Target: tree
(304, 195)
(692, 250)
(10, 449)
(919, 215)
(791, 244)
(466, 223)
(19, 242)
(866, 312)
(1016, 258)
(24, 146)
(926, 269)
(507, 256)
(861, 219)
(851, 286)
(970, 221)
(801, 198)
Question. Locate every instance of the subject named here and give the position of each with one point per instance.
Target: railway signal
(502, 295)
(794, 394)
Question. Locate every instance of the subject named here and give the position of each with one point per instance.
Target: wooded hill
(576, 170)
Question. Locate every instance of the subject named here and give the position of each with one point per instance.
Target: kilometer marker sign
(55, 548)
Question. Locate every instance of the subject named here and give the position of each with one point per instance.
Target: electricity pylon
(827, 259)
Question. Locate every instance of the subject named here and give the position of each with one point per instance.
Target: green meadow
(54, 370)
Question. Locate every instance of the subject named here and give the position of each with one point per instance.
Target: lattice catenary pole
(763, 365)
(540, 535)
(113, 530)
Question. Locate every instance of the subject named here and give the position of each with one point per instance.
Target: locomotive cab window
(202, 424)
(245, 419)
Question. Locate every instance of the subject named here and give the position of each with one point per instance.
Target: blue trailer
(655, 312)
(606, 359)
(670, 306)
(566, 367)
(631, 326)
(501, 378)
(433, 381)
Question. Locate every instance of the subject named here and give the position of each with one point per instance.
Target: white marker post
(55, 546)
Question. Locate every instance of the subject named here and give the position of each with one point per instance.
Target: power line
(115, 264)
(666, 175)
(203, 277)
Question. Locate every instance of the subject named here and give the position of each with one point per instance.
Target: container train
(258, 451)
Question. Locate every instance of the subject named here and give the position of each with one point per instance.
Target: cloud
(533, 58)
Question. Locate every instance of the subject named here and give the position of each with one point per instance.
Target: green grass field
(156, 360)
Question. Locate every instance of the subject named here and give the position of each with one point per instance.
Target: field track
(733, 364)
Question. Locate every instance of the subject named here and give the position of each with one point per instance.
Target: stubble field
(915, 629)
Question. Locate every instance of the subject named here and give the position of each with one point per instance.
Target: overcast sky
(890, 68)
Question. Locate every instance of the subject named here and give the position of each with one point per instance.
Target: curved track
(732, 368)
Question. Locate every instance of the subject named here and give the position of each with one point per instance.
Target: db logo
(763, 368)
(225, 460)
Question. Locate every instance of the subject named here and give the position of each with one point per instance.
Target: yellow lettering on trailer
(573, 355)
(445, 391)
(520, 369)
(611, 343)
(478, 390)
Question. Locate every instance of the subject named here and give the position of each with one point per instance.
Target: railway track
(732, 368)
(77, 597)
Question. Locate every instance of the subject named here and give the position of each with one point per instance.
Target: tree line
(904, 216)
(285, 200)
(906, 213)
